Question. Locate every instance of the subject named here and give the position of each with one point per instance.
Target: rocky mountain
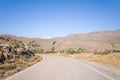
(93, 41)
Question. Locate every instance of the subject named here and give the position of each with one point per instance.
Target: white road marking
(96, 70)
(82, 63)
(22, 71)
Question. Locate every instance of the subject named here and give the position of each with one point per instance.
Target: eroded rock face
(13, 49)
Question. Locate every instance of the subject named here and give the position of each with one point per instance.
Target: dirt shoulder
(110, 62)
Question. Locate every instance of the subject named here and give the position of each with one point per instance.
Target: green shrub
(71, 51)
(116, 51)
(103, 53)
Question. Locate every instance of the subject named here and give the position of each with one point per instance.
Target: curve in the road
(61, 68)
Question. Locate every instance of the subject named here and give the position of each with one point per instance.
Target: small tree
(53, 48)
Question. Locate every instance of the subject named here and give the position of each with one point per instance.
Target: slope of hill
(94, 41)
(103, 35)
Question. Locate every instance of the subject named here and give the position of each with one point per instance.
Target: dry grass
(112, 59)
(11, 67)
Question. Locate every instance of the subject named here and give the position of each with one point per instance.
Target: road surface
(63, 68)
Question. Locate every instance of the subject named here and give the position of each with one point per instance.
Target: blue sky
(52, 18)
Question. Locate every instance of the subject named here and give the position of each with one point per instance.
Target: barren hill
(100, 41)
(103, 35)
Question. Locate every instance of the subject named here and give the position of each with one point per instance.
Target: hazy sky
(51, 18)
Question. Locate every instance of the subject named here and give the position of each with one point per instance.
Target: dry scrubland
(101, 47)
(112, 59)
(13, 66)
(15, 56)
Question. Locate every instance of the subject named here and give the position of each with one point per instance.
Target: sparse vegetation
(76, 51)
(13, 66)
(112, 59)
(107, 52)
(104, 49)
(71, 51)
(15, 56)
(117, 51)
(104, 52)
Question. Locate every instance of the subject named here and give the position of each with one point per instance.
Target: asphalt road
(62, 68)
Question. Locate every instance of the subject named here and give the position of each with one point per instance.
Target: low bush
(105, 52)
(118, 51)
(11, 67)
(8, 66)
